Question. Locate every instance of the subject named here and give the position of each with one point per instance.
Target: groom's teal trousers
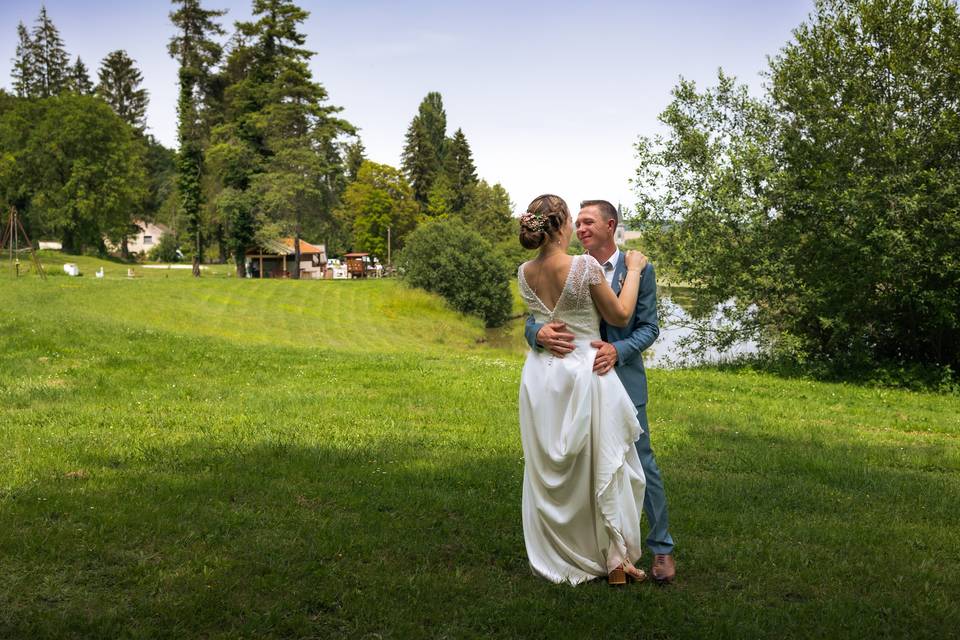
(654, 498)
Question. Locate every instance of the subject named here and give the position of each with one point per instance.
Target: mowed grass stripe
(378, 316)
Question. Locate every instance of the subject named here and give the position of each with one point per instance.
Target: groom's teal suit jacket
(629, 341)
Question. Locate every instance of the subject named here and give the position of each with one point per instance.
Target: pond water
(678, 302)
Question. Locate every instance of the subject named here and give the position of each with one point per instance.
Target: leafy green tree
(194, 47)
(424, 146)
(454, 261)
(80, 79)
(197, 53)
(75, 169)
(489, 211)
(377, 201)
(304, 170)
(459, 169)
(238, 151)
(190, 196)
(238, 208)
(166, 250)
(48, 58)
(17, 119)
(441, 198)
(235, 161)
(870, 139)
(704, 204)
(829, 208)
(119, 86)
(289, 190)
(160, 164)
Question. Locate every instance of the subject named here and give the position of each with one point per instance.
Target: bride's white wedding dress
(582, 484)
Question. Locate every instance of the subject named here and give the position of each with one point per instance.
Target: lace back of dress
(534, 305)
(575, 304)
(586, 272)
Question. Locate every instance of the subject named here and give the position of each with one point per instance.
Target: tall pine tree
(424, 147)
(354, 155)
(48, 58)
(24, 67)
(277, 150)
(80, 82)
(236, 149)
(419, 160)
(120, 87)
(460, 171)
(434, 119)
(196, 51)
(303, 171)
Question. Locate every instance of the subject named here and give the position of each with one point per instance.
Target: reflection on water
(679, 306)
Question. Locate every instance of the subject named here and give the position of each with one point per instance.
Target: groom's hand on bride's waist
(606, 356)
(553, 336)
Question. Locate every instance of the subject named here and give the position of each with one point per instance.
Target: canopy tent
(270, 259)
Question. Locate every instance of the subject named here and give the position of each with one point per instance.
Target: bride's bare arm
(617, 310)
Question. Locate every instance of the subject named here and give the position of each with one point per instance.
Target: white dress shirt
(610, 266)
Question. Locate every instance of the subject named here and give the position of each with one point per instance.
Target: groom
(622, 350)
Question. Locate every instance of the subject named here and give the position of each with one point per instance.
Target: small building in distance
(276, 260)
(146, 238)
(621, 236)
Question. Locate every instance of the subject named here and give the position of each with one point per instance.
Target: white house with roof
(146, 238)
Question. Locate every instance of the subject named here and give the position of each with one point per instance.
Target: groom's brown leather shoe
(664, 570)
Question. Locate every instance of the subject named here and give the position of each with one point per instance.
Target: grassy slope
(230, 458)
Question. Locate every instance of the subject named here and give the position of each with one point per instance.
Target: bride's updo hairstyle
(545, 216)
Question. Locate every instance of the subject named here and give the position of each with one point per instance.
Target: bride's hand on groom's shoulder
(635, 260)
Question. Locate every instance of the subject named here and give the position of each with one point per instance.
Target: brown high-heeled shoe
(617, 577)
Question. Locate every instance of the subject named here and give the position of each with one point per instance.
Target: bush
(827, 208)
(449, 258)
(166, 249)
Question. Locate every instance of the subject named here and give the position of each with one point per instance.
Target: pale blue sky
(551, 95)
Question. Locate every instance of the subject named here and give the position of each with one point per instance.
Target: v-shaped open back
(574, 304)
(563, 287)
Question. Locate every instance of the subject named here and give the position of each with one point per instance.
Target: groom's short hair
(607, 210)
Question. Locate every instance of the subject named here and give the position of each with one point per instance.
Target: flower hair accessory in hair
(533, 221)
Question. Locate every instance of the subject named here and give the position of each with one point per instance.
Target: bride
(582, 484)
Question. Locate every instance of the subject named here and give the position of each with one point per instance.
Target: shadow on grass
(405, 539)
(927, 378)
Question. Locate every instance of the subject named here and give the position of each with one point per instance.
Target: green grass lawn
(222, 458)
(114, 268)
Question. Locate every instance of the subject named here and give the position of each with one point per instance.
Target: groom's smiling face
(593, 230)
